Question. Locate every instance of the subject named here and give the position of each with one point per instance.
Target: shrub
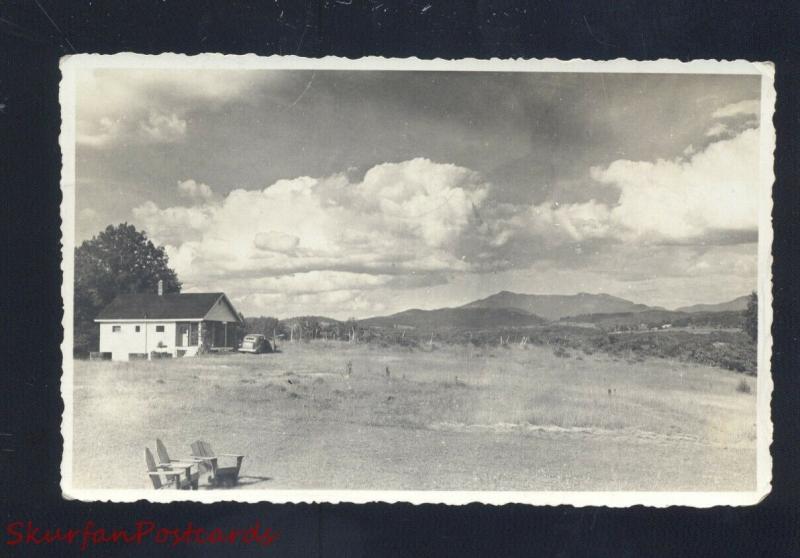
(561, 352)
(743, 386)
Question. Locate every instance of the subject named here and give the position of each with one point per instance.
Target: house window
(138, 329)
(160, 329)
(116, 329)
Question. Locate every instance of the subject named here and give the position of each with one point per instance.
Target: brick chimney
(160, 287)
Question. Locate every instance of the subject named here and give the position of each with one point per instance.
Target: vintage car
(255, 343)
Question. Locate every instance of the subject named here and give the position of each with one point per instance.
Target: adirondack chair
(164, 459)
(179, 476)
(220, 476)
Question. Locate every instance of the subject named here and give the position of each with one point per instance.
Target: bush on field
(561, 352)
(729, 350)
(743, 386)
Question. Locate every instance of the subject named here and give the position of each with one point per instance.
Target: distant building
(137, 325)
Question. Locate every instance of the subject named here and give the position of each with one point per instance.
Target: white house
(137, 325)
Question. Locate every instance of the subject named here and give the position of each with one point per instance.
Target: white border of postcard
(69, 66)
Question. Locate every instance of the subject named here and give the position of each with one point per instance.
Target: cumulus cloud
(155, 127)
(402, 220)
(748, 107)
(712, 192)
(432, 201)
(194, 190)
(123, 106)
(679, 199)
(100, 132)
(162, 128)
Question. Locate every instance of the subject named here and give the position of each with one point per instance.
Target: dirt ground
(338, 416)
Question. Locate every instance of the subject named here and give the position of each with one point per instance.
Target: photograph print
(334, 280)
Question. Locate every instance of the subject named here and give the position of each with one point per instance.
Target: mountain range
(736, 305)
(509, 309)
(556, 307)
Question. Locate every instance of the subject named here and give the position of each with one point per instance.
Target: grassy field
(449, 418)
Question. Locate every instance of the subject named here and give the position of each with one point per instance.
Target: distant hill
(735, 305)
(477, 318)
(656, 318)
(556, 307)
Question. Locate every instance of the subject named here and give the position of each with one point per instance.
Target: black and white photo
(500, 281)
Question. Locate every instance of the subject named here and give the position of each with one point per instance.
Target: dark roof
(184, 306)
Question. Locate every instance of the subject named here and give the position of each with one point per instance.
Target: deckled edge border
(69, 65)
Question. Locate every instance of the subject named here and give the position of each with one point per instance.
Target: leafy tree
(751, 317)
(118, 260)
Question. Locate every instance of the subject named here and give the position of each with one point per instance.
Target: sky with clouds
(363, 193)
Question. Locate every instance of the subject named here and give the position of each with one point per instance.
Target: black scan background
(34, 34)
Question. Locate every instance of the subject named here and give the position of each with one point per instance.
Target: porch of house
(208, 334)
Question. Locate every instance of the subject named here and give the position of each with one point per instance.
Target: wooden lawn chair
(220, 476)
(164, 459)
(179, 476)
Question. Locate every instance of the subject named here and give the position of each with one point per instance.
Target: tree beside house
(118, 260)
